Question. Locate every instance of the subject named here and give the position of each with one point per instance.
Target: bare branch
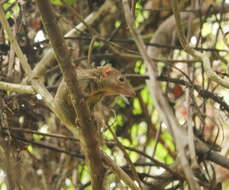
(16, 88)
(36, 84)
(50, 57)
(14, 44)
(201, 56)
(119, 172)
(161, 103)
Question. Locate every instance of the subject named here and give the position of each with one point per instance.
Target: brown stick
(85, 122)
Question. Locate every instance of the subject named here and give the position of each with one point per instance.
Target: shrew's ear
(107, 70)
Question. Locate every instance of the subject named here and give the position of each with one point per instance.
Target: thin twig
(50, 57)
(133, 170)
(14, 44)
(80, 18)
(155, 161)
(201, 56)
(118, 171)
(91, 49)
(43, 134)
(48, 146)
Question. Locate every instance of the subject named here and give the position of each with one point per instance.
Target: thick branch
(85, 122)
(16, 88)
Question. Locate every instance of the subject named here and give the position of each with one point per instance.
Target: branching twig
(133, 170)
(14, 44)
(24, 62)
(50, 57)
(119, 172)
(36, 84)
(161, 104)
(201, 56)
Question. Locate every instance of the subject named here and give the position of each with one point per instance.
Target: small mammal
(95, 83)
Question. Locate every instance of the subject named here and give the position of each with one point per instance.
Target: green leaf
(30, 148)
(138, 66)
(139, 14)
(142, 69)
(169, 140)
(58, 2)
(117, 24)
(124, 141)
(221, 45)
(13, 12)
(134, 134)
(84, 171)
(206, 29)
(96, 44)
(69, 184)
(161, 152)
(37, 137)
(146, 96)
(154, 116)
(133, 156)
(3, 186)
(169, 159)
(136, 107)
(107, 134)
(119, 100)
(119, 120)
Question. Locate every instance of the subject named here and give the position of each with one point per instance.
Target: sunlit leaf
(134, 134)
(133, 156)
(137, 66)
(136, 107)
(119, 100)
(117, 24)
(169, 159)
(58, 2)
(30, 148)
(84, 174)
(142, 69)
(221, 45)
(169, 140)
(37, 137)
(206, 29)
(124, 141)
(3, 186)
(161, 152)
(146, 96)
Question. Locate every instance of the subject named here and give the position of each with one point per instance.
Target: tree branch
(201, 56)
(36, 84)
(50, 57)
(88, 131)
(16, 88)
(14, 44)
(161, 103)
(119, 172)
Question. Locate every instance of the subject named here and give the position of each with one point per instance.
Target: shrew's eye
(121, 79)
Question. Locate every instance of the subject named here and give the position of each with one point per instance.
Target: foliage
(44, 154)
